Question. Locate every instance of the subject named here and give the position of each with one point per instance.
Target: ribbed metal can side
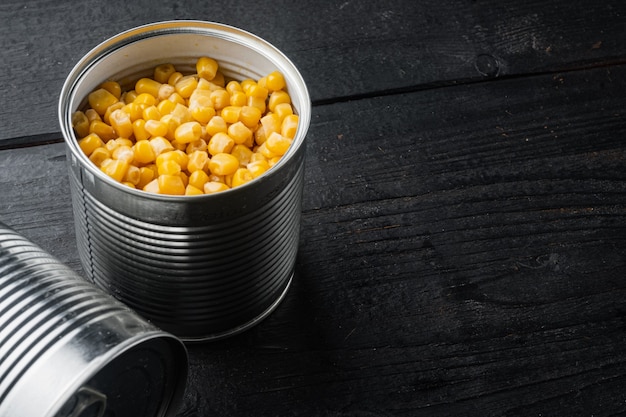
(60, 334)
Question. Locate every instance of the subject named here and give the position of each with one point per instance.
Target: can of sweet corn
(68, 349)
(202, 267)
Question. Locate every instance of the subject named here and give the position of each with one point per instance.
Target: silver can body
(68, 349)
(201, 267)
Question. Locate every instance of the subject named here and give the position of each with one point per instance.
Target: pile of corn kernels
(187, 134)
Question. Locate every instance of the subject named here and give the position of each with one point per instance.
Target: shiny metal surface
(201, 267)
(68, 349)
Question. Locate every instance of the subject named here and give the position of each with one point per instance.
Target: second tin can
(200, 267)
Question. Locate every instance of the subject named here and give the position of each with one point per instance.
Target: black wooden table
(464, 226)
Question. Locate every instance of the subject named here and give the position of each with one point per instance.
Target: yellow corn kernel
(134, 110)
(277, 144)
(123, 153)
(115, 168)
(168, 167)
(205, 85)
(197, 161)
(181, 114)
(198, 145)
(220, 99)
(216, 178)
(289, 126)
(183, 176)
(129, 96)
(139, 130)
(188, 132)
(202, 114)
(180, 157)
(92, 115)
(273, 161)
(213, 187)
(146, 174)
(250, 116)
(247, 84)
(179, 146)
(283, 110)
(174, 77)
(277, 97)
(230, 114)
(271, 123)
(262, 82)
(103, 130)
(220, 143)
(198, 179)
(152, 186)
(234, 86)
(156, 127)
(238, 98)
(259, 135)
(100, 100)
(171, 184)
(145, 100)
(254, 90)
(257, 168)
(80, 123)
(206, 67)
(172, 123)
(160, 145)
(256, 156)
(147, 85)
(240, 177)
(89, 143)
(219, 79)
(106, 117)
(112, 87)
(239, 132)
(133, 175)
(223, 164)
(257, 102)
(124, 142)
(120, 121)
(186, 85)
(242, 153)
(98, 155)
(143, 152)
(111, 145)
(177, 99)
(163, 72)
(165, 91)
(275, 81)
(165, 107)
(216, 124)
(151, 113)
(191, 190)
(264, 150)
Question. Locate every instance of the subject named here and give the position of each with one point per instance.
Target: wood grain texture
(462, 253)
(344, 49)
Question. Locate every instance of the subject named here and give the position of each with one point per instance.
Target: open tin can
(201, 267)
(68, 349)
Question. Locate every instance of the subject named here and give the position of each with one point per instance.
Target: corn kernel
(103, 130)
(143, 152)
(206, 67)
(220, 99)
(197, 161)
(223, 164)
(283, 110)
(289, 126)
(276, 98)
(165, 91)
(216, 124)
(152, 186)
(240, 177)
(168, 167)
(145, 100)
(257, 102)
(186, 85)
(129, 96)
(234, 86)
(213, 187)
(112, 87)
(219, 79)
(199, 145)
(247, 84)
(242, 153)
(80, 123)
(92, 115)
(188, 132)
(165, 107)
(129, 184)
(120, 121)
(275, 81)
(191, 190)
(220, 143)
(250, 116)
(90, 143)
(132, 175)
(160, 145)
(106, 117)
(238, 98)
(151, 113)
(100, 100)
(155, 127)
(134, 110)
(198, 179)
(139, 130)
(147, 85)
(98, 155)
(177, 99)
(171, 184)
(271, 123)
(174, 77)
(163, 72)
(230, 114)
(180, 157)
(259, 136)
(239, 132)
(265, 151)
(115, 168)
(257, 168)
(146, 175)
(123, 153)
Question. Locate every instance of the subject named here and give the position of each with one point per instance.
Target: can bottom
(245, 326)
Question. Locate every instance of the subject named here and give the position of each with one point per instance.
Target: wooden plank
(462, 253)
(343, 49)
